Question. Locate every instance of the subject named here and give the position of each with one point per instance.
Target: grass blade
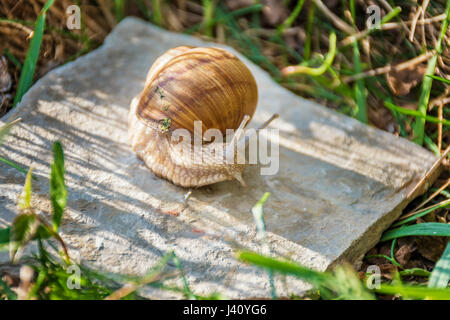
(415, 272)
(236, 13)
(22, 231)
(208, 16)
(58, 192)
(419, 124)
(29, 66)
(309, 27)
(119, 8)
(187, 291)
(359, 86)
(157, 12)
(422, 229)
(25, 225)
(258, 216)
(143, 9)
(440, 79)
(4, 130)
(151, 276)
(441, 272)
(422, 213)
(343, 284)
(415, 292)
(4, 238)
(416, 113)
(294, 70)
(294, 14)
(285, 267)
(13, 59)
(14, 165)
(360, 90)
(25, 199)
(11, 295)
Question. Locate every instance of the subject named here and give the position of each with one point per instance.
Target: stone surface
(340, 183)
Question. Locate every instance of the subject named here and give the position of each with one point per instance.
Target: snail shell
(184, 85)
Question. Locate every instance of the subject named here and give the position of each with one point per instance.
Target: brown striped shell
(195, 83)
(184, 85)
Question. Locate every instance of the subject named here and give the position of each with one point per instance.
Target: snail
(184, 85)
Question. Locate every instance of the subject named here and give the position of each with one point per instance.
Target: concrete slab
(340, 183)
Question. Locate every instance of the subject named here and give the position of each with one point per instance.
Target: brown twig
(338, 22)
(414, 23)
(442, 99)
(444, 186)
(105, 7)
(12, 123)
(386, 69)
(420, 211)
(424, 10)
(441, 117)
(396, 25)
(131, 287)
(428, 174)
(388, 7)
(17, 25)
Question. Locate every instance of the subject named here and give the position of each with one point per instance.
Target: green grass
(218, 17)
(421, 229)
(444, 204)
(441, 273)
(5, 129)
(439, 79)
(143, 9)
(208, 16)
(416, 114)
(414, 292)
(419, 125)
(359, 86)
(325, 83)
(157, 12)
(29, 66)
(292, 17)
(54, 275)
(300, 69)
(343, 282)
(258, 216)
(309, 26)
(58, 191)
(119, 9)
(12, 58)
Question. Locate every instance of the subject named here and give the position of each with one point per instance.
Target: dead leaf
(401, 82)
(403, 254)
(11, 280)
(387, 270)
(385, 249)
(431, 247)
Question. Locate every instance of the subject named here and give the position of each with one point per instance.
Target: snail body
(184, 85)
